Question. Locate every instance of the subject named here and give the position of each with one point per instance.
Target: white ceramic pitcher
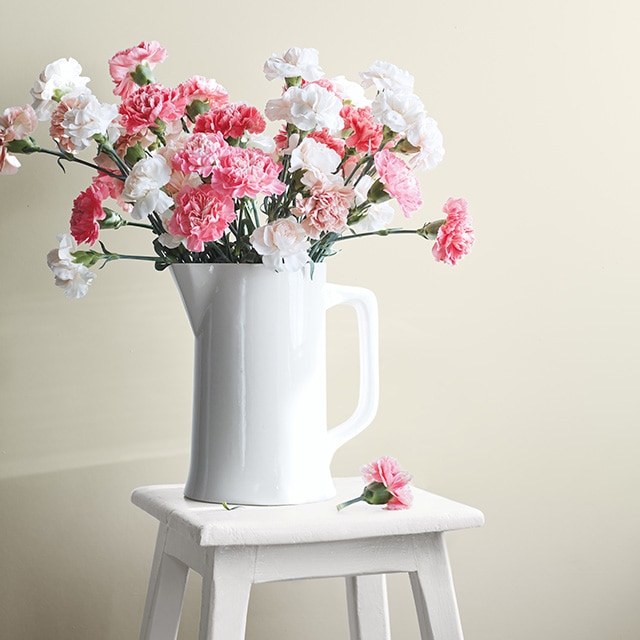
(259, 408)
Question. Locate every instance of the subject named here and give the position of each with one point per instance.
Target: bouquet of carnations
(200, 173)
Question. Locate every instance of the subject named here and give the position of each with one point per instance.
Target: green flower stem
(122, 256)
(350, 502)
(91, 257)
(106, 147)
(71, 158)
(382, 232)
(140, 225)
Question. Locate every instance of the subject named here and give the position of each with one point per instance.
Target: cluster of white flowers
(397, 107)
(85, 116)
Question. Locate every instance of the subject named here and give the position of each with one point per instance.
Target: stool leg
(226, 586)
(368, 608)
(165, 594)
(433, 590)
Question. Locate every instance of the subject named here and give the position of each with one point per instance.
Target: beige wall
(509, 382)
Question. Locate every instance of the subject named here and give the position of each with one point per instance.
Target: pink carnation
(124, 63)
(16, 123)
(56, 129)
(455, 237)
(147, 104)
(200, 216)
(246, 172)
(366, 134)
(398, 181)
(9, 164)
(113, 188)
(87, 211)
(281, 138)
(231, 120)
(386, 470)
(205, 90)
(323, 135)
(199, 154)
(325, 211)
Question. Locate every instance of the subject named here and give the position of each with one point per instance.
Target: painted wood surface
(232, 550)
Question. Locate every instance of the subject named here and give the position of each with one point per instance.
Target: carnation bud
(404, 146)
(142, 75)
(430, 229)
(113, 219)
(377, 193)
(196, 108)
(87, 258)
(134, 154)
(376, 493)
(26, 145)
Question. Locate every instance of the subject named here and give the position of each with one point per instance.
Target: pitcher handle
(366, 307)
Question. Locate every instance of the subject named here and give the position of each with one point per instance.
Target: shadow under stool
(233, 550)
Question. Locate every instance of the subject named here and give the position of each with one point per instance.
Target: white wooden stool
(232, 550)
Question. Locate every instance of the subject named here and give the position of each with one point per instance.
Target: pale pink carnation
(147, 104)
(124, 63)
(231, 120)
(200, 216)
(16, 123)
(246, 172)
(86, 213)
(325, 211)
(387, 471)
(366, 134)
(398, 181)
(56, 128)
(144, 137)
(204, 90)
(283, 244)
(200, 153)
(9, 164)
(455, 237)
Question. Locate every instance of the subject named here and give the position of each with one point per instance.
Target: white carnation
(143, 187)
(283, 244)
(72, 277)
(294, 63)
(350, 92)
(361, 188)
(398, 111)
(386, 76)
(308, 108)
(425, 134)
(57, 79)
(378, 217)
(311, 155)
(261, 141)
(87, 118)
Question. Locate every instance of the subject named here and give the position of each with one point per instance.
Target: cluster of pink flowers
(204, 176)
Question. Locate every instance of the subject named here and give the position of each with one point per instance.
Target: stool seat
(233, 549)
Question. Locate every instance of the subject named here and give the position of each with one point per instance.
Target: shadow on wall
(75, 553)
